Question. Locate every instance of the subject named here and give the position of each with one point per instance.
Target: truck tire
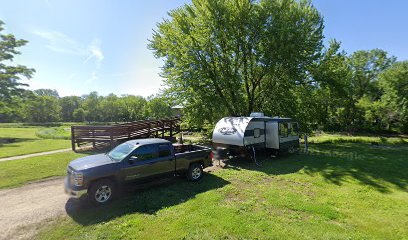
(101, 192)
(195, 172)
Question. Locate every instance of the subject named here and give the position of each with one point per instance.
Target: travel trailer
(237, 135)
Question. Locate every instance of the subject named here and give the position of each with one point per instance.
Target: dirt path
(23, 208)
(34, 154)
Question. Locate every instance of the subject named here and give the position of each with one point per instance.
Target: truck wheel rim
(103, 194)
(196, 173)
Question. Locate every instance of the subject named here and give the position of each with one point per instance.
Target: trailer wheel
(291, 149)
(195, 172)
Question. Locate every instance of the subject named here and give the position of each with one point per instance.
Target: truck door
(148, 163)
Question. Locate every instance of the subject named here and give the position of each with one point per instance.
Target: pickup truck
(98, 177)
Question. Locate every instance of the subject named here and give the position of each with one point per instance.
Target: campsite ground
(343, 188)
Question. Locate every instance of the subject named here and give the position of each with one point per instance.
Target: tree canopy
(234, 57)
(10, 75)
(229, 58)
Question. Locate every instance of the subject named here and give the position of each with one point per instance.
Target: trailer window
(257, 133)
(294, 131)
(283, 129)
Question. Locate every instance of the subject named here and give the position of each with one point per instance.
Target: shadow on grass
(147, 198)
(381, 167)
(4, 141)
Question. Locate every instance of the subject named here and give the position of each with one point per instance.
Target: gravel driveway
(23, 208)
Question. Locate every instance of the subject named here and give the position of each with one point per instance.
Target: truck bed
(185, 154)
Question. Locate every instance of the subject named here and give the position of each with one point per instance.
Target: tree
(47, 92)
(157, 108)
(233, 57)
(132, 108)
(109, 108)
(68, 106)
(393, 110)
(91, 107)
(79, 115)
(365, 67)
(43, 109)
(11, 92)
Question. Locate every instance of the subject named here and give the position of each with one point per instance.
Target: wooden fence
(111, 136)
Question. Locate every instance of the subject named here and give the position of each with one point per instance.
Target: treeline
(45, 105)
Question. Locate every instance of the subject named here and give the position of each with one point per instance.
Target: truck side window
(146, 152)
(283, 129)
(164, 150)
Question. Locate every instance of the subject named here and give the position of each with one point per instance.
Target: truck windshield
(120, 152)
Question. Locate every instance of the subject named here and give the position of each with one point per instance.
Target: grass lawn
(17, 172)
(337, 191)
(20, 141)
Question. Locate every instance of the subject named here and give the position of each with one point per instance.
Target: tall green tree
(68, 106)
(393, 107)
(91, 106)
(11, 91)
(233, 57)
(46, 92)
(157, 108)
(42, 109)
(362, 88)
(132, 108)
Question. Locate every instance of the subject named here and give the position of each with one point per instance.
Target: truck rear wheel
(195, 172)
(101, 192)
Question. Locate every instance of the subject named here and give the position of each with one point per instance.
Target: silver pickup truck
(98, 177)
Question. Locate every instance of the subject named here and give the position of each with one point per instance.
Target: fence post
(163, 128)
(72, 138)
(111, 137)
(171, 128)
(93, 138)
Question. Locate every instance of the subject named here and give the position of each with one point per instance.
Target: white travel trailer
(235, 135)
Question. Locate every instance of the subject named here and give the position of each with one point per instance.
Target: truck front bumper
(73, 193)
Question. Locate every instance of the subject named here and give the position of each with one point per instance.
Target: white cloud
(61, 43)
(92, 78)
(95, 52)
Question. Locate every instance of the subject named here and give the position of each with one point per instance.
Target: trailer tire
(195, 172)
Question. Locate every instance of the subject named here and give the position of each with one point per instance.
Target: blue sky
(98, 45)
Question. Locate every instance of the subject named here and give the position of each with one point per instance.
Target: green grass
(17, 172)
(337, 138)
(63, 132)
(341, 191)
(20, 141)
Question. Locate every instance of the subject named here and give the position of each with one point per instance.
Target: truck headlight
(78, 179)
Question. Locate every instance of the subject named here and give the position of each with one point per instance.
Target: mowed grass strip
(21, 141)
(339, 138)
(342, 191)
(17, 172)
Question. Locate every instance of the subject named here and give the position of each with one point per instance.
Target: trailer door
(272, 136)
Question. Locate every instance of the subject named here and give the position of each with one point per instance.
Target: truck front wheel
(195, 172)
(101, 192)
